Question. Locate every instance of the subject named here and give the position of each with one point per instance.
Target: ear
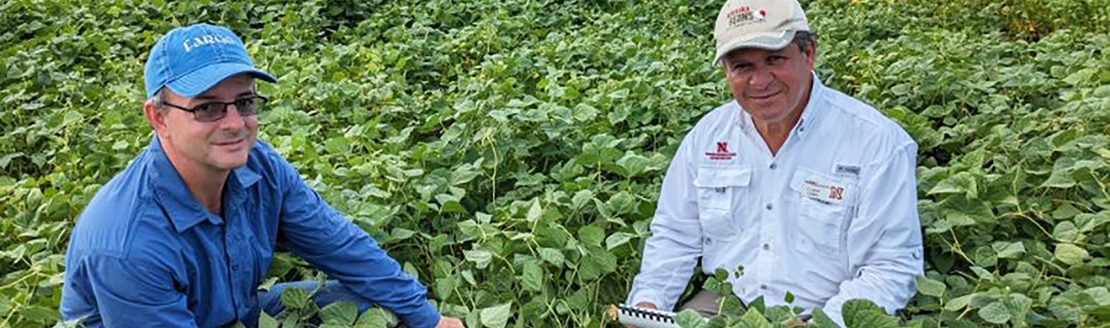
(156, 118)
(811, 55)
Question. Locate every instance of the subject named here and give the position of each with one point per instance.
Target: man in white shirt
(812, 192)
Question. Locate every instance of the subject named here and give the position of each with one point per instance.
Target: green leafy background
(509, 152)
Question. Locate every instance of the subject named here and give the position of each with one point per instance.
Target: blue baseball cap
(192, 59)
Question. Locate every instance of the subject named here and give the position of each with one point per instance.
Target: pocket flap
(723, 176)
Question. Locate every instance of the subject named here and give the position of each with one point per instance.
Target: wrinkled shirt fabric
(145, 253)
(831, 217)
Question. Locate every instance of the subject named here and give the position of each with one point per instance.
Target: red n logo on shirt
(836, 192)
(722, 153)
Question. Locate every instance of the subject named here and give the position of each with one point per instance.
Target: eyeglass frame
(223, 113)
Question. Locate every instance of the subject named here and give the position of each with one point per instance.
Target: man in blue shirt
(185, 234)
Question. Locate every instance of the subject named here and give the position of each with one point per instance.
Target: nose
(760, 78)
(232, 119)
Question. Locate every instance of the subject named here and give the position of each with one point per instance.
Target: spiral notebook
(642, 317)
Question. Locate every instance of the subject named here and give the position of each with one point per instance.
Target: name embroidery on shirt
(824, 192)
(722, 153)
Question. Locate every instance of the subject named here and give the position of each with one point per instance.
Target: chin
(769, 111)
(231, 161)
(765, 114)
(231, 165)
(232, 158)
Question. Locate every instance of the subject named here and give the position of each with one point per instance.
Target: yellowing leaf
(1070, 254)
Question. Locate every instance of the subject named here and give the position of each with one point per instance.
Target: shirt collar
(235, 192)
(183, 209)
(812, 111)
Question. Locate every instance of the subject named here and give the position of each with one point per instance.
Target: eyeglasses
(214, 111)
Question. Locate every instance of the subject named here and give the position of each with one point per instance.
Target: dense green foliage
(509, 152)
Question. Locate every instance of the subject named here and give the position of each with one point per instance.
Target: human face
(772, 86)
(218, 146)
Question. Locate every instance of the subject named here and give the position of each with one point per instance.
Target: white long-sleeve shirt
(831, 217)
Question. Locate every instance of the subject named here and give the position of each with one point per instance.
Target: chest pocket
(825, 204)
(718, 188)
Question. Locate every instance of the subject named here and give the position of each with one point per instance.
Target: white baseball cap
(763, 24)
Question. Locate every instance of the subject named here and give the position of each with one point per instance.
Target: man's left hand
(797, 323)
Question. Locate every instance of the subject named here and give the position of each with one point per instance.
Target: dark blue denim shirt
(145, 253)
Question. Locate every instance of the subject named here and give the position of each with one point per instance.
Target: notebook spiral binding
(642, 317)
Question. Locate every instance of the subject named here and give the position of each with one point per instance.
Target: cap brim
(199, 81)
(766, 41)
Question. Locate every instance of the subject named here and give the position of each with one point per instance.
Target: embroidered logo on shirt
(824, 192)
(847, 169)
(722, 153)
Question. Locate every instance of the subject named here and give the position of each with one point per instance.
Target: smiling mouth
(766, 96)
(230, 143)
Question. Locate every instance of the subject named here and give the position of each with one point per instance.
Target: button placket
(232, 266)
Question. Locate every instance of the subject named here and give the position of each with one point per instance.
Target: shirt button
(235, 267)
(769, 206)
(766, 247)
(773, 166)
(763, 286)
(708, 241)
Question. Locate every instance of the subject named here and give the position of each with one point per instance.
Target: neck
(775, 133)
(205, 183)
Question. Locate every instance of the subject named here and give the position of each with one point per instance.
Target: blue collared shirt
(145, 253)
(831, 217)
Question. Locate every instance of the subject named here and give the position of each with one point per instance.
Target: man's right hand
(645, 305)
(449, 322)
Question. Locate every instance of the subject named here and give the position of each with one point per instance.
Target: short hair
(158, 99)
(804, 39)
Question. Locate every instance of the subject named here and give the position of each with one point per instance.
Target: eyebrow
(210, 97)
(738, 61)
